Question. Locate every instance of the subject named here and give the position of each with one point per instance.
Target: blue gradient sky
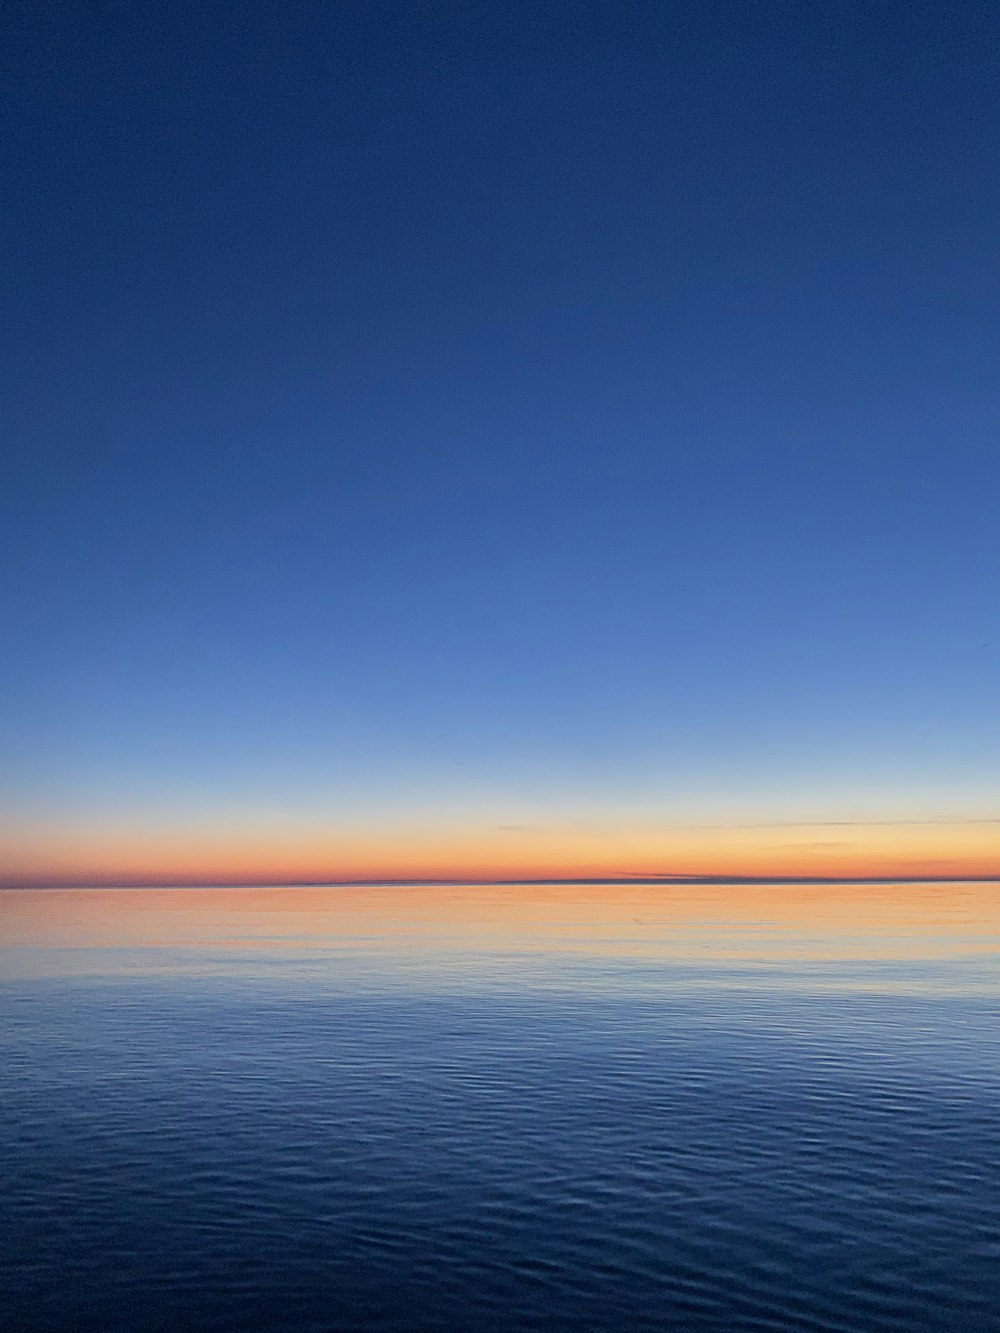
(490, 420)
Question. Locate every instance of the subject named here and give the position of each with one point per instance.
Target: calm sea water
(726, 1108)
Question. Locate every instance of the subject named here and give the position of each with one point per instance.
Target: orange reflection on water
(691, 923)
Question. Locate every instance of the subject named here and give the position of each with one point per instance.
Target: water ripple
(267, 1143)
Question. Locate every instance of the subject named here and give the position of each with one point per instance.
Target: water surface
(555, 1107)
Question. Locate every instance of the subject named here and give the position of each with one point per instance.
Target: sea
(480, 1107)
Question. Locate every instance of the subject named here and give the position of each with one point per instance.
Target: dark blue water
(549, 1114)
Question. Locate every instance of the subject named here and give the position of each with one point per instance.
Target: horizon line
(665, 880)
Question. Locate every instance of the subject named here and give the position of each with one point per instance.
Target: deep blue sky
(420, 407)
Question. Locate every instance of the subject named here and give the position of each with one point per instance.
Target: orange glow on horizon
(241, 855)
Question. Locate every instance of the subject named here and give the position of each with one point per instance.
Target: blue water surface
(228, 1115)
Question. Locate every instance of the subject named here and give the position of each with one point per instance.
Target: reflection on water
(648, 1107)
(476, 928)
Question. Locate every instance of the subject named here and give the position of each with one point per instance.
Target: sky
(499, 441)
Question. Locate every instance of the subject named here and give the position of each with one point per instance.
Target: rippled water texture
(573, 1107)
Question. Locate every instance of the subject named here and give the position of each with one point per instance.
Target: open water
(559, 1107)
